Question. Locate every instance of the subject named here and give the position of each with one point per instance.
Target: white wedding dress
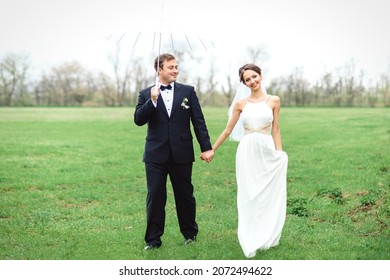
(261, 173)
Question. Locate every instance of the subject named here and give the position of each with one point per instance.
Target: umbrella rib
(136, 40)
(200, 39)
(173, 46)
(123, 35)
(188, 41)
(159, 45)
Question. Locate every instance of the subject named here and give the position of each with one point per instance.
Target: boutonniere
(184, 103)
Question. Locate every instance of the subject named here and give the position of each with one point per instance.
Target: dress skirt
(261, 173)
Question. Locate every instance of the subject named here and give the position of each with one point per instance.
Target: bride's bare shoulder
(274, 101)
(275, 98)
(240, 104)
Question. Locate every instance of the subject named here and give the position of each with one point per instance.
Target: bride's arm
(276, 134)
(230, 125)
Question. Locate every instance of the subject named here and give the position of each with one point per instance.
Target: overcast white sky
(316, 36)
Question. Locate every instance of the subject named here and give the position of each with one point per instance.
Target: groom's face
(169, 72)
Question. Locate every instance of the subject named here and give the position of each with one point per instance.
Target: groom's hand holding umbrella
(154, 94)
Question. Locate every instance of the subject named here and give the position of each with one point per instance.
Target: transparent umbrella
(161, 36)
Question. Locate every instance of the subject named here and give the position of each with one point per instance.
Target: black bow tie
(165, 87)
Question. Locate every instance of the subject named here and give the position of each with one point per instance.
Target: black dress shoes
(151, 247)
(190, 240)
(156, 246)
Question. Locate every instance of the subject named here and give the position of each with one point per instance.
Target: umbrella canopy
(163, 39)
(158, 36)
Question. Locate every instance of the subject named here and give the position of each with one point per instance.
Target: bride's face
(252, 79)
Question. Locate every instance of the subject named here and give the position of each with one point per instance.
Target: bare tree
(257, 54)
(67, 85)
(227, 90)
(298, 87)
(210, 83)
(328, 90)
(384, 87)
(107, 89)
(13, 76)
(140, 81)
(122, 72)
(277, 86)
(351, 84)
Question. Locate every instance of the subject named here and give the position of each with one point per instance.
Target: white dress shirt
(167, 96)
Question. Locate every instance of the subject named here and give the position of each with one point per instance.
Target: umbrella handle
(157, 83)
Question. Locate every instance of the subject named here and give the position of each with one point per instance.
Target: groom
(168, 112)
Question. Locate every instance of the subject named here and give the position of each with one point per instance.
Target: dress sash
(263, 129)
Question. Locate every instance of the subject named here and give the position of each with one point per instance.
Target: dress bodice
(257, 117)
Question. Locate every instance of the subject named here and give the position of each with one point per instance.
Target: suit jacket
(172, 134)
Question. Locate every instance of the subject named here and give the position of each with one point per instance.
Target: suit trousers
(181, 179)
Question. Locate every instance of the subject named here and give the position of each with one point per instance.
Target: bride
(261, 164)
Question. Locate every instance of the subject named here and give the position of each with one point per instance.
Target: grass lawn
(72, 186)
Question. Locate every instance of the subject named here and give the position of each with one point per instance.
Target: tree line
(72, 84)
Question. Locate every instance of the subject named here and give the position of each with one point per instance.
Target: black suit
(169, 151)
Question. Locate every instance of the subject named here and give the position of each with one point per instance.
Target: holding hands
(207, 156)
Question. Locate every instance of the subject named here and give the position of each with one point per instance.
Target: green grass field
(72, 186)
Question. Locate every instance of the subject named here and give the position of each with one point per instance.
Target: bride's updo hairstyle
(249, 66)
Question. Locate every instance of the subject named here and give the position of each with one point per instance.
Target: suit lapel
(176, 98)
(160, 104)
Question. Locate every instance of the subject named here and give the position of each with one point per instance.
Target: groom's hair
(249, 66)
(159, 60)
